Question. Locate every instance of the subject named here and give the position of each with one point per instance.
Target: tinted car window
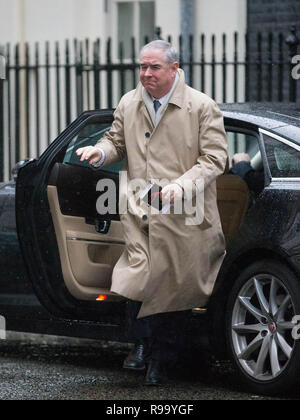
(242, 143)
(89, 136)
(284, 160)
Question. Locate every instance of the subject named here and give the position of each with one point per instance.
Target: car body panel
(13, 274)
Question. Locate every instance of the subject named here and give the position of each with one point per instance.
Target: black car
(58, 254)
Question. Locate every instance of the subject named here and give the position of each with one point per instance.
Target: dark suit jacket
(254, 179)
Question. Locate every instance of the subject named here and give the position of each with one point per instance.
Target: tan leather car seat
(233, 202)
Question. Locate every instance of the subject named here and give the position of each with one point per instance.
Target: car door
(69, 249)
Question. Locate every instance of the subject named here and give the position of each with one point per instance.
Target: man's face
(157, 76)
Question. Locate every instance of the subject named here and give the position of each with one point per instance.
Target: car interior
(89, 252)
(233, 195)
(88, 256)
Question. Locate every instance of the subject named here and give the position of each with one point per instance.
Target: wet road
(49, 368)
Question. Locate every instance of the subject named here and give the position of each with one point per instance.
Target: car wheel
(260, 332)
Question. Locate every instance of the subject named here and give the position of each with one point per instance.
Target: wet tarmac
(52, 368)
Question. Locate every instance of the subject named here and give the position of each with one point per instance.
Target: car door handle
(102, 226)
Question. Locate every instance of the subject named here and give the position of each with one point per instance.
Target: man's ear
(176, 66)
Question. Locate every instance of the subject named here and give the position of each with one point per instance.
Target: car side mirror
(17, 167)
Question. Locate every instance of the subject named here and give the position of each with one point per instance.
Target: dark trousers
(163, 335)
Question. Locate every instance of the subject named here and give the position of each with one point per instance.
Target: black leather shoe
(136, 358)
(156, 374)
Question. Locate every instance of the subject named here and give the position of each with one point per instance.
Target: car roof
(282, 119)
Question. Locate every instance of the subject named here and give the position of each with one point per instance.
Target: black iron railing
(47, 86)
(2, 78)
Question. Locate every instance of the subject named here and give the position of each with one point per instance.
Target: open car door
(69, 249)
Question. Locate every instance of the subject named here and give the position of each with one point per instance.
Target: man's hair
(171, 54)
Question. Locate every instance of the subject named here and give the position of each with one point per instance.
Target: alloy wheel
(262, 327)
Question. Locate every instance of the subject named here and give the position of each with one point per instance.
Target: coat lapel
(143, 107)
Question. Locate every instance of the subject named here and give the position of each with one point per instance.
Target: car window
(89, 136)
(284, 160)
(242, 143)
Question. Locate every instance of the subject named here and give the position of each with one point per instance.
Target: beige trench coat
(168, 265)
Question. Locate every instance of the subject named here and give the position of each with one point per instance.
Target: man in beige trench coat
(167, 131)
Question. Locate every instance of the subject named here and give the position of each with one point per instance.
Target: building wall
(54, 20)
(11, 21)
(221, 16)
(168, 17)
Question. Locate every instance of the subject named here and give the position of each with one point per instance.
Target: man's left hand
(171, 193)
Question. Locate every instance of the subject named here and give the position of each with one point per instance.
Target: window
(283, 159)
(126, 26)
(89, 136)
(243, 143)
(135, 18)
(147, 21)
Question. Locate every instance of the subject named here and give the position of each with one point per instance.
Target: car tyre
(259, 329)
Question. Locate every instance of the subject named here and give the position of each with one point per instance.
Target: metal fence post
(2, 78)
(216, 69)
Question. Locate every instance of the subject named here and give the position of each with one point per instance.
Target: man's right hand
(93, 154)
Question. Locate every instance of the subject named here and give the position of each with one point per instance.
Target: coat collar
(178, 95)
